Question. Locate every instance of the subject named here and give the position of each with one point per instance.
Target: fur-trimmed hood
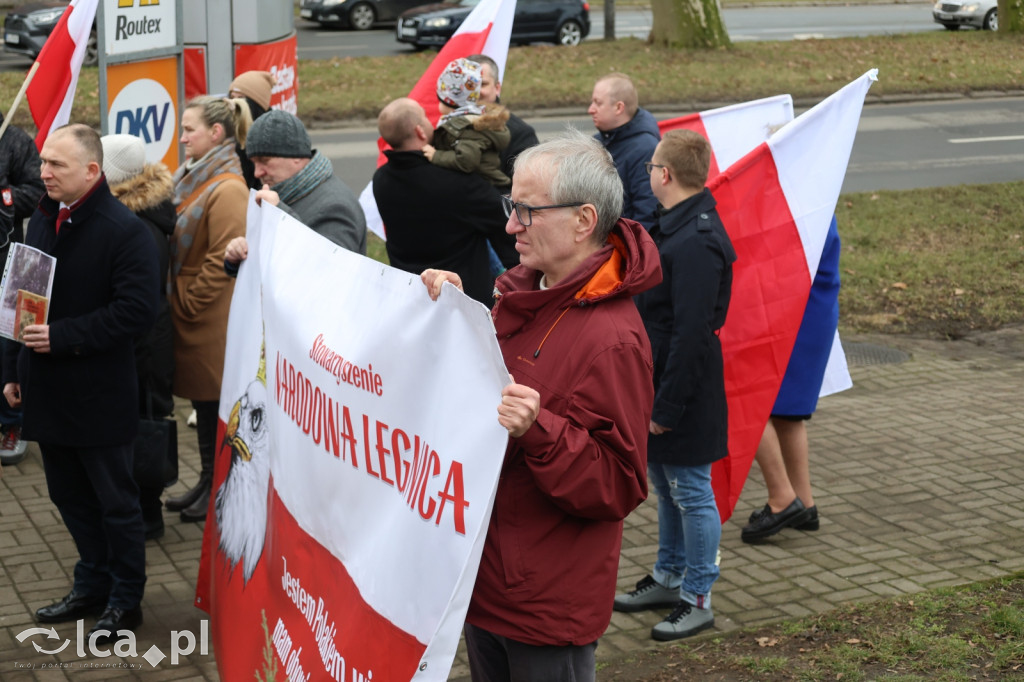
(147, 190)
(495, 117)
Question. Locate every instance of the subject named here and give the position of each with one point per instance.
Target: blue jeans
(689, 530)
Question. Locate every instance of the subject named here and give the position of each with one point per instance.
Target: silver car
(956, 13)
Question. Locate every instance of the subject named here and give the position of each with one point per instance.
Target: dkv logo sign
(145, 110)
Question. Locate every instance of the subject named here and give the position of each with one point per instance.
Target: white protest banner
(359, 454)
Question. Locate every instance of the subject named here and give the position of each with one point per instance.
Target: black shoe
(72, 607)
(113, 620)
(189, 497)
(196, 512)
(767, 524)
(812, 522)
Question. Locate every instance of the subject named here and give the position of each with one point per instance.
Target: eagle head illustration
(241, 503)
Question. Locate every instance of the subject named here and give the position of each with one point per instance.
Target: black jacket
(522, 136)
(440, 218)
(19, 171)
(148, 195)
(631, 145)
(682, 316)
(105, 293)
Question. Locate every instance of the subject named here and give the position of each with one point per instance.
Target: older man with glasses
(577, 415)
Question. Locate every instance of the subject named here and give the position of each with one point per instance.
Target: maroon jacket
(548, 572)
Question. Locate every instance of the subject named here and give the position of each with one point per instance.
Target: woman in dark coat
(147, 190)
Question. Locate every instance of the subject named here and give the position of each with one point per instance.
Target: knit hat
(123, 157)
(255, 85)
(278, 133)
(459, 83)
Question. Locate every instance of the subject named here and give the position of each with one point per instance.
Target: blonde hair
(688, 155)
(233, 115)
(621, 89)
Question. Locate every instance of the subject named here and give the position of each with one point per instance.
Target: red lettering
(382, 429)
(401, 464)
(349, 435)
(454, 492)
(331, 442)
(366, 447)
(433, 469)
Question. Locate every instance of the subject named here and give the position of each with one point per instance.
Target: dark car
(357, 14)
(562, 22)
(28, 26)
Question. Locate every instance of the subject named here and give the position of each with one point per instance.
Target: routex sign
(139, 25)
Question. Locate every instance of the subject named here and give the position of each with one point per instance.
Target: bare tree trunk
(692, 23)
(1011, 16)
(609, 19)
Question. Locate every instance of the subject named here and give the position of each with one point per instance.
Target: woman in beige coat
(210, 195)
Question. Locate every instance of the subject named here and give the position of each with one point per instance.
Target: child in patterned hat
(469, 137)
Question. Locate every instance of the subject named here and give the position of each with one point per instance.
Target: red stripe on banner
(769, 293)
(46, 92)
(300, 607)
(695, 123)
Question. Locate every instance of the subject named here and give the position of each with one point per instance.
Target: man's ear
(92, 171)
(620, 107)
(586, 222)
(421, 134)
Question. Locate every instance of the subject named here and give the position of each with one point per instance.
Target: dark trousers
(206, 431)
(98, 499)
(493, 658)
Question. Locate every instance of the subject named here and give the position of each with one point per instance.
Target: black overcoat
(682, 316)
(105, 293)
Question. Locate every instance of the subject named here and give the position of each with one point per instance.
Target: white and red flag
(52, 91)
(486, 30)
(358, 453)
(736, 129)
(776, 204)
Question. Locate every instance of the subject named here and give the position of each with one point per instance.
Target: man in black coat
(522, 135)
(436, 217)
(688, 430)
(75, 377)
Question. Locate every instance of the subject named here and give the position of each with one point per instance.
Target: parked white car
(956, 13)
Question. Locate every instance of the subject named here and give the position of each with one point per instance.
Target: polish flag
(485, 31)
(52, 91)
(736, 129)
(776, 203)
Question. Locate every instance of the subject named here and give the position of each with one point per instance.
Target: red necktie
(62, 216)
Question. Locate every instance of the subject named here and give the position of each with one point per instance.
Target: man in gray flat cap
(300, 181)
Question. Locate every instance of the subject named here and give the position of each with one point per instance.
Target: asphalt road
(898, 146)
(743, 24)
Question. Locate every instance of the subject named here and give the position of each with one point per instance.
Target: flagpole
(17, 99)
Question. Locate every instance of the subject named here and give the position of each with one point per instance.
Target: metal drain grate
(862, 354)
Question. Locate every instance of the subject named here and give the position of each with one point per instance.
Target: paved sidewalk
(917, 474)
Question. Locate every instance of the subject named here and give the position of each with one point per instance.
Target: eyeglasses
(524, 212)
(649, 166)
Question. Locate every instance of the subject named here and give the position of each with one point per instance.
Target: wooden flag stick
(17, 100)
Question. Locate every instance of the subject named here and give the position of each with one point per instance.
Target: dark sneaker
(812, 522)
(767, 524)
(649, 594)
(685, 620)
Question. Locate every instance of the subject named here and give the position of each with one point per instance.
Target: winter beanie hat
(278, 133)
(459, 84)
(255, 85)
(123, 157)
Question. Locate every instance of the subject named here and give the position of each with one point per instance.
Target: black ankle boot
(196, 511)
(189, 497)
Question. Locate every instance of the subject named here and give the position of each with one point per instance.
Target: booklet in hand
(25, 289)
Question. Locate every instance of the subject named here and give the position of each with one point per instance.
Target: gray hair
(581, 171)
